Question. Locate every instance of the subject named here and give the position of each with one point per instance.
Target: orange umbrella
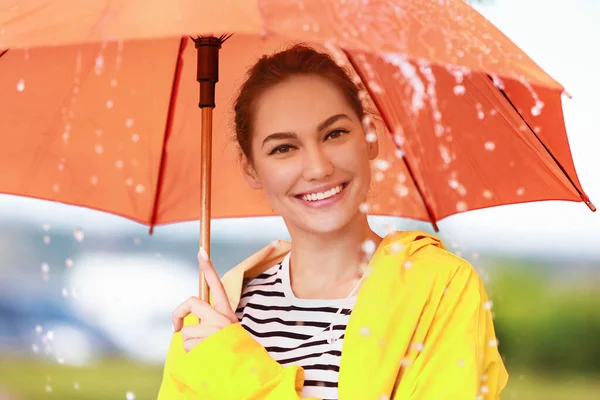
(98, 109)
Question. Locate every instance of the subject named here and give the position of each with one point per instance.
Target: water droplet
(130, 395)
(76, 385)
(399, 153)
(69, 263)
(99, 149)
(401, 190)
(129, 122)
(489, 146)
(365, 331)
(99, 64)
(418, 346)
(461, 363)
(484, 389)
(371, 137)
(48, 388)
(368, 247)
(405, 362)
(113, 82)
(135, 137)
(47, 239)
(110, 104)
(487, 194)
(520, 191)
(50, 335)
(396, 248)
(137, 241)
(488, 305)
(379, 176)
(493, 343)
(364, 208)
(453, 183)
(484, 377)
(384, 397)
(375, 87)
(382, 165)
(537, 109)
(407, 264)
(65, 292)
(78, 235)
(139, 188)
(38, 329)
(459, 90)
(21, 85)
(45, 268)
(129, 181)
(94, 180)
(119, 164)
(461, 206)
(35, 348)
(60, 360)
(480, 114)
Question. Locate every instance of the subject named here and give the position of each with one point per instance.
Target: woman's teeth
(323, 195)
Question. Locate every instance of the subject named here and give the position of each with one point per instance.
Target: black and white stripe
(295, 331)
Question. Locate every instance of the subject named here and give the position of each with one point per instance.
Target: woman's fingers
(201, 309)
(192, 335)
(190, 344)
(217, 291)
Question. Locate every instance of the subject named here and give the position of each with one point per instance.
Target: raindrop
(46, 239)
(537, 109)
(60, 360)
(453, 183)
(137, 241)
(375, 87)
(48, 388)
(61, 167)
(480, 114)
(135, 137)
(384, 397)
(418, 346)
(78, 235)
(459, 90)
(379, 176)
(65, 292)
(21, 85)
(99, 132)
(35, 348)
(113, 82)
(399, 153)
(382, 165)
(396, 248)
(38, 329)
(45, 268)
(493, 343)
(99, 149)
(94, 180)
(50, 335)
(130, 395)
(520, 191)
(365, 331)
(401, 190)
(401, 177)
(488, 305)
(484, 377)
(461, 206)
(365, 269)
(484, 389)
(368, 247)
(129, 181)
(461, 363)
(129, 122)
(139, 188)
(407, 264)
(487, 194)
(371, 137)
(489, 146)
(69, 263)
(119, 164)
(110, 104)
(99, 64)
(46, 227)
(364, 208)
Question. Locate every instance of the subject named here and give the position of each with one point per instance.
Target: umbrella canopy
(98, 108)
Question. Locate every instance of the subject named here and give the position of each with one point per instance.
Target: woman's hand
(212, 319)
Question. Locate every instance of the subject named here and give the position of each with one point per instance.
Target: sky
(560, 36)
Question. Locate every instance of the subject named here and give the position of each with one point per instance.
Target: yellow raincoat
(421, 329)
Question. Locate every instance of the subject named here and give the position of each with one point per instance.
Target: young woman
(339, 312)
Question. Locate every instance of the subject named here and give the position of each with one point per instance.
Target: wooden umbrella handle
(205, 195)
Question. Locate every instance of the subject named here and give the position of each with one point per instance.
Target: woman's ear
(250, 174)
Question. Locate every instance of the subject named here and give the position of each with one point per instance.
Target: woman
(339, 312)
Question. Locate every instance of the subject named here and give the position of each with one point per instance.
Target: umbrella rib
(388, 125)
(168, 129)
(581, 194)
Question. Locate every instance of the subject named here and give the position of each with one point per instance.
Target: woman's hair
(271, 70)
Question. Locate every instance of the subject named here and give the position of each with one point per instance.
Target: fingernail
(202, 253)
(173, 328)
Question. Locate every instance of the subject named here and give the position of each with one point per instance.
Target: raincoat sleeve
(229, 364)
(459, 358)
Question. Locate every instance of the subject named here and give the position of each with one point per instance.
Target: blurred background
(85, 297)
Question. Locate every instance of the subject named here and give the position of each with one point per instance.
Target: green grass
(113, 378)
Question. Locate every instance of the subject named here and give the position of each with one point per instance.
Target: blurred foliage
(545, 321)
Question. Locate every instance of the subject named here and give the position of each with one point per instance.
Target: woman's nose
(317, 165)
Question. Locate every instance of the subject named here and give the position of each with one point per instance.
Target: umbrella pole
(207, 75)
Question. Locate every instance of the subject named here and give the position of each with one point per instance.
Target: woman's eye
(335, 134)
(284, 148)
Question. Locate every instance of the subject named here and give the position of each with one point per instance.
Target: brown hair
(271, 70)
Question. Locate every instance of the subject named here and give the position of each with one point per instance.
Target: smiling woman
(339, 312)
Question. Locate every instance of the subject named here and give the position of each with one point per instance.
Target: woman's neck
(321, 263)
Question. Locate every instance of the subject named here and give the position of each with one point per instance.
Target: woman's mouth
(324, 198)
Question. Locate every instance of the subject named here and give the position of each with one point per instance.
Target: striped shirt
(296, 331)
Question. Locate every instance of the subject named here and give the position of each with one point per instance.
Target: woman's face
(310, 155)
